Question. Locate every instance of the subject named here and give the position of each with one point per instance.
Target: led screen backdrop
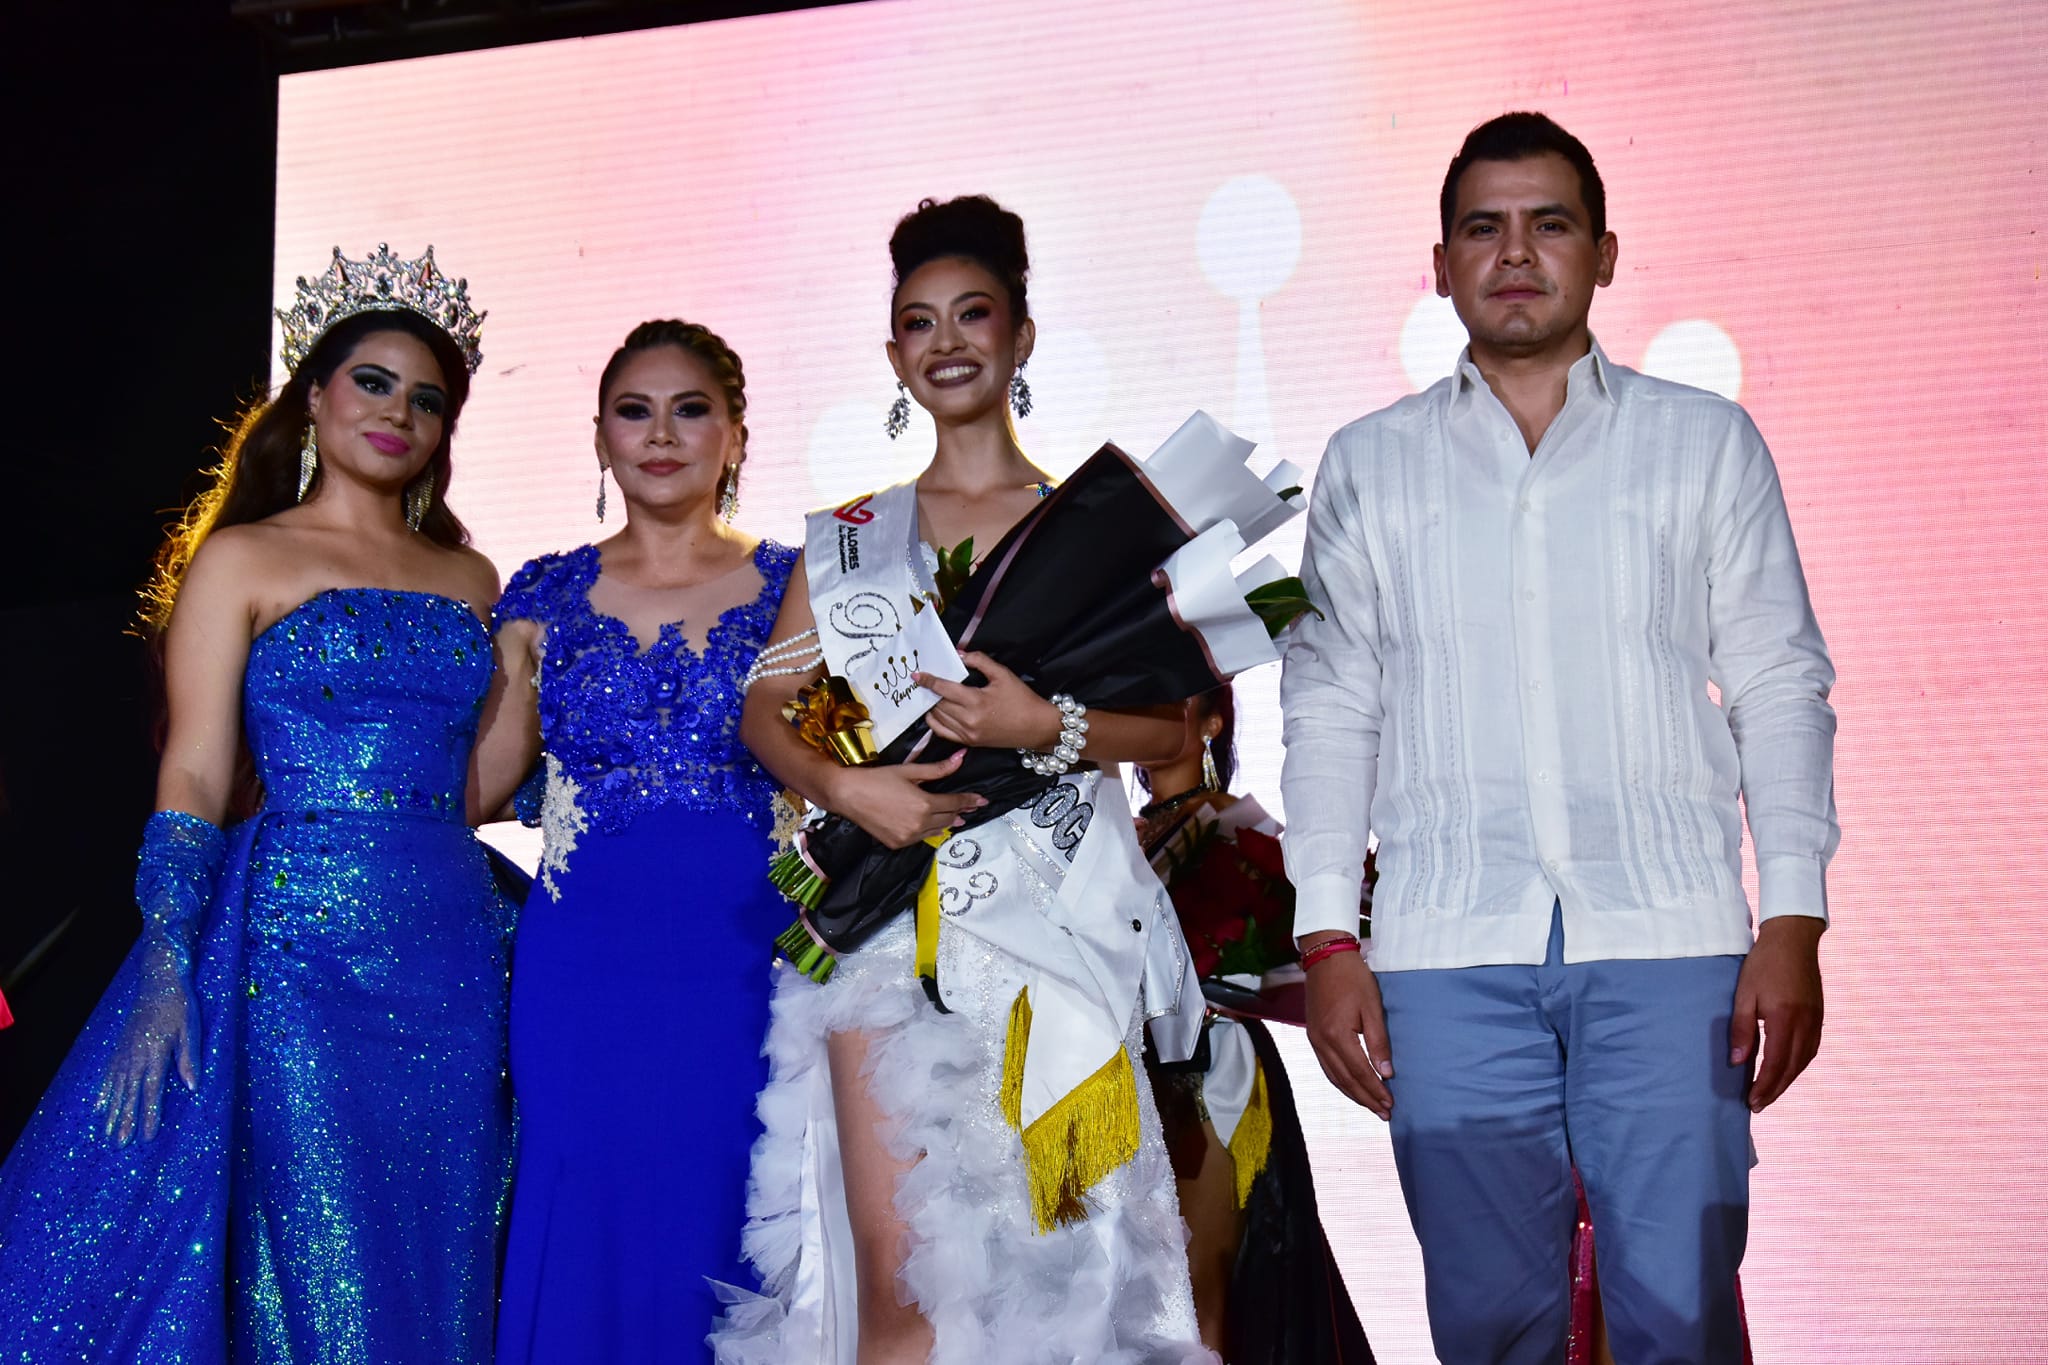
(1831, 212)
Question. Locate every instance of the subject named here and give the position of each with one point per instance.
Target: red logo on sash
(856, 513)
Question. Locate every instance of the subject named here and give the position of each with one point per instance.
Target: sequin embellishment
(635, 728)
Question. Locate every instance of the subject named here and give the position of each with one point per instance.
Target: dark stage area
(143, 188)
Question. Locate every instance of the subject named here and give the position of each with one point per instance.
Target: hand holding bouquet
(1116, 590)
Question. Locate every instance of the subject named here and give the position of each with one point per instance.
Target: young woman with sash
(970, 1174)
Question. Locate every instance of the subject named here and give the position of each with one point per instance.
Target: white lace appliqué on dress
(562, 822)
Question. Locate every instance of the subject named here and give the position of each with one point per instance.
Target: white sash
(868, 580)
(863, 568)
(1085, 950)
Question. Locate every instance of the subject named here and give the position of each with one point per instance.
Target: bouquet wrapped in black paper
(1116, 590)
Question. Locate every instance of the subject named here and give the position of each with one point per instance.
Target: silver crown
(381, 283)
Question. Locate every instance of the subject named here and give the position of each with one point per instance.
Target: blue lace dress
(334, 1190)
(640, 995)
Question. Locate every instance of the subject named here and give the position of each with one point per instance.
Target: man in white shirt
(1530, 577)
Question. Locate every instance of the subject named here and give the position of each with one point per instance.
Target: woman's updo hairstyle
(707, 346)
(973, 227)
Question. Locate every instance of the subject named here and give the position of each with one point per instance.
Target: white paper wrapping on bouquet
(1207, 598)
(1201, 473)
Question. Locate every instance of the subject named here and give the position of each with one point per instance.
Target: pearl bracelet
(1073, 736)
(798, 654)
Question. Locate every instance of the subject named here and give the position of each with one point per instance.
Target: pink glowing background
(1833, 213)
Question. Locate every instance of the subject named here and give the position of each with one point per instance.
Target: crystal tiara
(380, 283)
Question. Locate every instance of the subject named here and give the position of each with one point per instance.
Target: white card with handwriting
(882, 675)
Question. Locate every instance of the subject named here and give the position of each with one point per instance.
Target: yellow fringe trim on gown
(1252, 1143)
(1091, 1131)
(926, 964)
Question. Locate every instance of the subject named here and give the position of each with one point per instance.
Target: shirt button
(1543, 775)
(1550, 863)
(1535, 687)
(1528, 594)
(1526, 507)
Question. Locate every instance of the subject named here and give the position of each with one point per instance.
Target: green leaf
(956, 566)
(1281, 603)
(1252, 955)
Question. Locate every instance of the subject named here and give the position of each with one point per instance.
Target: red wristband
(1328, 948)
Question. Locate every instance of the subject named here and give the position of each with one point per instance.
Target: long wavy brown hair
(258, 476)
(258, 472)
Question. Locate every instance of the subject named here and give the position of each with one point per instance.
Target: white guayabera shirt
(1509, 685)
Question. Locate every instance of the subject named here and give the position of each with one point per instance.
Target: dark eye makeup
(375, 379)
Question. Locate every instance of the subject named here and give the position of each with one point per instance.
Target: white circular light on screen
(1430, 341)
(1249, 239)
(1698, 353)
(851, 455)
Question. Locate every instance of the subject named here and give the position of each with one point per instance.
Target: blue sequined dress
(334, 1190)
(640, 993)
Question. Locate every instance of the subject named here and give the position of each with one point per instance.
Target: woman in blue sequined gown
(640, 992)
(285, 1134)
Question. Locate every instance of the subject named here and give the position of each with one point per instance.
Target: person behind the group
(640, 993)
(297, 1078)
(1267, 1290)
(931, 1251)
(1530, 576)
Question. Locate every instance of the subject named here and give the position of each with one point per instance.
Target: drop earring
(600, 492)
(309, 459)
(1209, 764)
(729, 493)
(418, 499)
(1020, 393)
(898, 420)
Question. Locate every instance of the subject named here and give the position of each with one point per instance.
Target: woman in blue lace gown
(284, 1136)
(640, 995)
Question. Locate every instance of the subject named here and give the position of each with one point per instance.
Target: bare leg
(1208, 1201)
(891, 1332)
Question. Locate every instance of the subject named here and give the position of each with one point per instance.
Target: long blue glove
(181, 860)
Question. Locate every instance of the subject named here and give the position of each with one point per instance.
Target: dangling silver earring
(418, 499)
(1209, 765)
(309, 459)
(729, 493)
(600, 492)
(1020, 393)
(898, 420)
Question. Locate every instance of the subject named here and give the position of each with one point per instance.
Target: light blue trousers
(1505, 1077)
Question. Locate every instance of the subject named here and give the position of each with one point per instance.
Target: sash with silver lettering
(867, 581)
(1060, 887)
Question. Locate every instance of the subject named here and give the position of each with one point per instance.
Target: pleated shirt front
(1555, 676)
